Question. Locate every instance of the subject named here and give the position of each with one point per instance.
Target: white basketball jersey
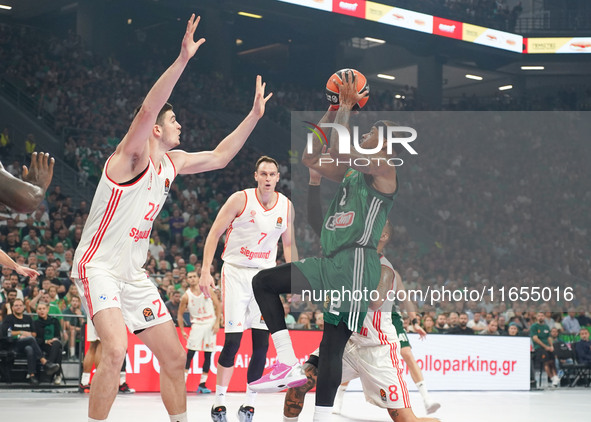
(116, 236)
(200, 308)
(251, 239)
(377, 327)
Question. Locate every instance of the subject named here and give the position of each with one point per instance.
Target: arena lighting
(250, 15)
(389, 77)
(532, 67)
(376, 40)
(474, 77)
(6, 7)
(505, 87)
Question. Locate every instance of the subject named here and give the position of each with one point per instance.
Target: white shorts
(91, 334)
(380, 371)
(241, 311)
(139, 300)
(201, 338)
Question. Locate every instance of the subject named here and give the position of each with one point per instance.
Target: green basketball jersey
(356, 215)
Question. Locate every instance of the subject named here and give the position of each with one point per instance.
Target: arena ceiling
(285, 25)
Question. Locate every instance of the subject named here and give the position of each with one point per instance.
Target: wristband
(414, 321)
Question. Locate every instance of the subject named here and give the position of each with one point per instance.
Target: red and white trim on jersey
(87, 297)
(393, 346)
(100, 233)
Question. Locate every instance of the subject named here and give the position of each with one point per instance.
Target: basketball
(332, 89)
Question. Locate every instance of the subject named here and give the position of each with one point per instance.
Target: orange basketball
(332, 89)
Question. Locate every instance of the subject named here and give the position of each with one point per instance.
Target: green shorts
(343, 283)
(397, 323)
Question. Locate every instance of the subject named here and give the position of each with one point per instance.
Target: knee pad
(231, 346)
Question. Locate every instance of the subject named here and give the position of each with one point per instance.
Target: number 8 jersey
(251, 239)
(116, 235)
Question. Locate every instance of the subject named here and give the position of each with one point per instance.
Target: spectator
(289, 319)
(6, 307)
(452, 320)
(429, 325)
(583, 319)
(513, 329)
(570, 323)
(543, 349)
(73, 324)
(477, 324)
(303, 322)
(173, 305)
(441, 324)
(21, 327)
(462, 327)
(502, 325)
(48, 334)
(492, 329)
(320, 322)
(583, 348)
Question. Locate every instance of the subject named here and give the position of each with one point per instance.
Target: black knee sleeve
(206, 362)
(231, 346)
(260, 345)
(190, 354)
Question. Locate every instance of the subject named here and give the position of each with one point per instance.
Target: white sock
(72, 351)
(286, 419)
(322, 414)
(95, 420)
(178, 418)
(423, 390)
(203, 378)
(338, 400)
(284, 348)
(220, 395)
(85, 379)
(251, 397)
(121, 378)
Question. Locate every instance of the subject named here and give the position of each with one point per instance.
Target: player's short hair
(265, 159)
(164, 109)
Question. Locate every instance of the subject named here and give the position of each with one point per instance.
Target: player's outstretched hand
(189, 46)
(26, 271)
(258, 108)
(348, 94)
(205, 283)
(41, 171)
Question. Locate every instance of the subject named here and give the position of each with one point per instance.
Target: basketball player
(24, 196)
(255, 219)
(108, 261)
(206, 313)
(374, 354)
(93, 358)
(350, 235)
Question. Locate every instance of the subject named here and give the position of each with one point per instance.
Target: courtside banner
(143, 369)
(453, 362)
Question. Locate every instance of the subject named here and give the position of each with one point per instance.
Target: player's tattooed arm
(294, 399)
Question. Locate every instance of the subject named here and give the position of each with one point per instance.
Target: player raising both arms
(108, 261)
(351, 263)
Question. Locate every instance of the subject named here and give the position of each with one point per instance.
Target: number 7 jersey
(251, 239)
(116, 235)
